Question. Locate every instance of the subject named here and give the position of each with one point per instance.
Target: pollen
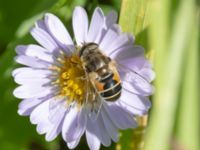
(71, 79)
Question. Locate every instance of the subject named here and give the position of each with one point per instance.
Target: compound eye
(90, 68)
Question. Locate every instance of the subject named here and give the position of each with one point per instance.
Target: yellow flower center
(72, 79)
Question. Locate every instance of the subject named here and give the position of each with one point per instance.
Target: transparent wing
(130, 75)
(94, 100)
(87, 87)
(134, 82)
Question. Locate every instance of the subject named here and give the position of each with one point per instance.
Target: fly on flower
(96, 86)
(100, 72)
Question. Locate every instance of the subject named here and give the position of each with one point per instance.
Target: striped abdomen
(111, 88)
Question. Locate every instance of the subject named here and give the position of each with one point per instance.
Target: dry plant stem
(138, 133)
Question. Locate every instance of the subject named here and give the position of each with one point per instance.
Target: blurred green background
(170, 32)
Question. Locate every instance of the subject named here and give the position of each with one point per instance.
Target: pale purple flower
(54, 97)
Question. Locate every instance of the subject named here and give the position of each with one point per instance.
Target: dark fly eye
(88, 48)
(90, 67)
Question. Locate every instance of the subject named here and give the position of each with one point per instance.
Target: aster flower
(54, 90)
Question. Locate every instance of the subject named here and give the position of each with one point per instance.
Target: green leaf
(12, 13)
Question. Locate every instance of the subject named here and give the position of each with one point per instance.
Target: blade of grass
(187, 130)
(133, 15)
(168, 64)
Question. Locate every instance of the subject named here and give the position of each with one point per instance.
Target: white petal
(132, 110)
(43, 38)
(110, 127)
(26, 72)
(139, 102)
(73, 144)
(147, 72)
(18, 70)
(138, 72)
(43, 125)
(34, 51)
(56, 117)
(28, 81)
(58, 30)
(104, 136)
(31, 91)
(26, 75)
(111, 19)
(54, 131)
(41, 24)
(110, 36)
(96, 26)
(26, 106)
(131, 37)
(92, 139)
(120, 117)
(57, 107)
(80, 25)
(74, 125)
(99, 130)
(40, 116)
(119, 42)
(128, 52)
(31, 62)
(137, 85)
(31, 76)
